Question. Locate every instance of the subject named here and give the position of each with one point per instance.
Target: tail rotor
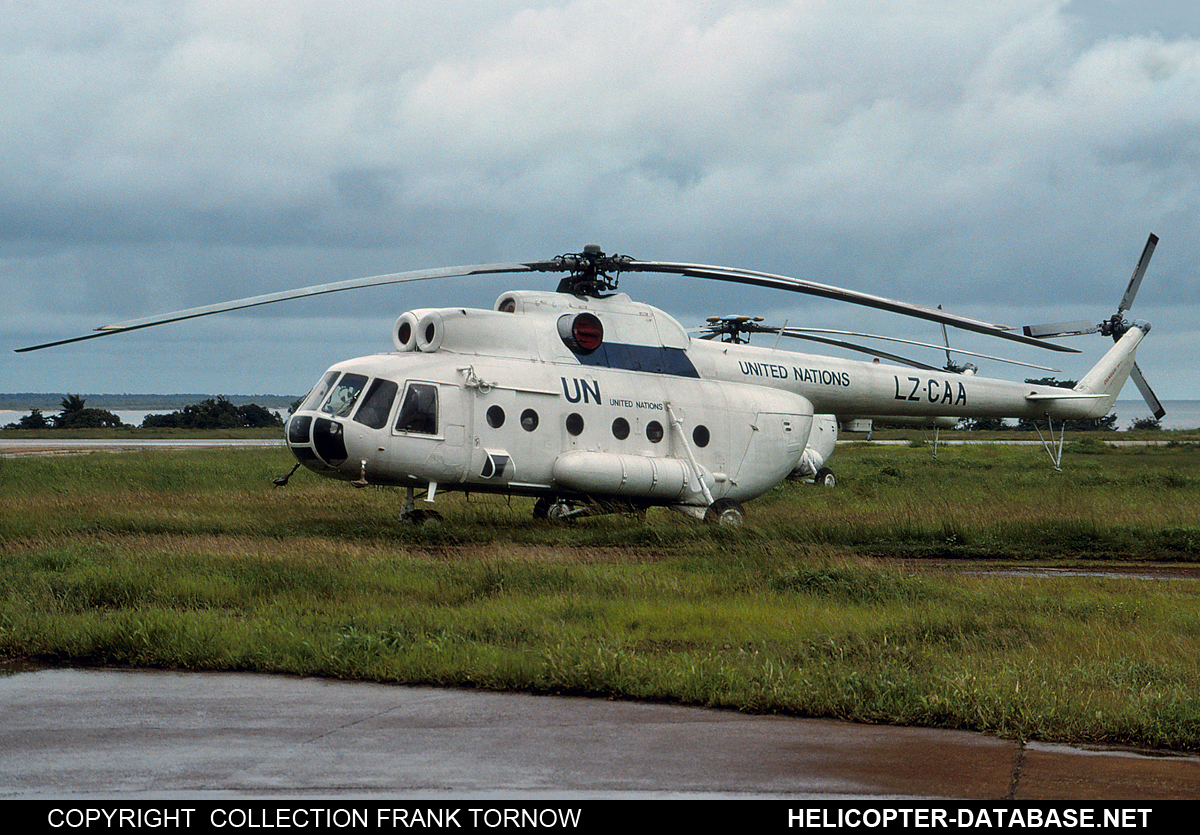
(1115, 326)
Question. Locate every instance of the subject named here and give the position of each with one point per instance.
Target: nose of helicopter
(317, 442)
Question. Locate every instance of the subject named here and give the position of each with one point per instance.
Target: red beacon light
(582, 333)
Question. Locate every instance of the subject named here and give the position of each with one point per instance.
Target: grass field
(904, 595)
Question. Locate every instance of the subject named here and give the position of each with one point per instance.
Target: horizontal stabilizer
(1067, 394)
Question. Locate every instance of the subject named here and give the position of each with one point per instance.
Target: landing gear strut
(566, 511)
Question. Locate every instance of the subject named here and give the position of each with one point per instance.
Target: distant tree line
(216, 413)
(74, 414)
(213, 413)
(47, 402)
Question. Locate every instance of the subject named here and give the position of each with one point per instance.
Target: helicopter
(590, 402)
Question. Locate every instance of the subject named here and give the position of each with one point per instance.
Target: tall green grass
(864, 602)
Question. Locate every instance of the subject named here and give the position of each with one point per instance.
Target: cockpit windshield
(377, 404)
(344, 395)
(318, 392)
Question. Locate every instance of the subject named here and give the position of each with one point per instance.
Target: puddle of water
(1100, 573)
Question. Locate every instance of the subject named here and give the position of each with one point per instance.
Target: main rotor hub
(592, 273)
(737, 329)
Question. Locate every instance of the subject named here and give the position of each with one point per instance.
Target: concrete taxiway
(138, 734)
(76, 446)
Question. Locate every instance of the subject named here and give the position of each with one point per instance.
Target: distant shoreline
(50, 401)
(1181, 414)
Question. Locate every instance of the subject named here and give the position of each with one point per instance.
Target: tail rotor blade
(1061, 329)
(1156, 406)
(1078, 328)
(1140, 270)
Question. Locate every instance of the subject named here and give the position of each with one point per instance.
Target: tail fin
(1108, 376)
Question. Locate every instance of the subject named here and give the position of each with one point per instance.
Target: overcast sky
(1004, 159)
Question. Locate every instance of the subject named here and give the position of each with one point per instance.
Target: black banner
(296, 817)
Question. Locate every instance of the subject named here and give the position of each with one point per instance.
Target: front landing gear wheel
(725, 512)
(824, 478)
(421, 518)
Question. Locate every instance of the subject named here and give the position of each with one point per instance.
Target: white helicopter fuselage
(493, 401)
(606, 399)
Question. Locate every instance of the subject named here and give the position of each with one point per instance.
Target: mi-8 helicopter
(591, 402)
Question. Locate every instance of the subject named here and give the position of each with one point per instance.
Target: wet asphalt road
(135, 734)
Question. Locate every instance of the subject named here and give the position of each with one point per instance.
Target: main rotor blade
(812, 288)
(1139, 380)
(615, 264)
(286, 295)
(1140, 270)
(922, 345)
(862, 349)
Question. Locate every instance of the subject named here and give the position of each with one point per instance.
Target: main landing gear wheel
(824, 478)
(562, 513)
(557, 511)
(725, 512)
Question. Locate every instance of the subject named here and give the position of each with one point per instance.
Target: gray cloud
(160, 155)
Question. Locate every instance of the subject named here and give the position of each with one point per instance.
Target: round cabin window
(620, 429)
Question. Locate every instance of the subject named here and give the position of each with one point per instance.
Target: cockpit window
(344, 395)
(318, 392)
(418, 413)
(377, 404)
